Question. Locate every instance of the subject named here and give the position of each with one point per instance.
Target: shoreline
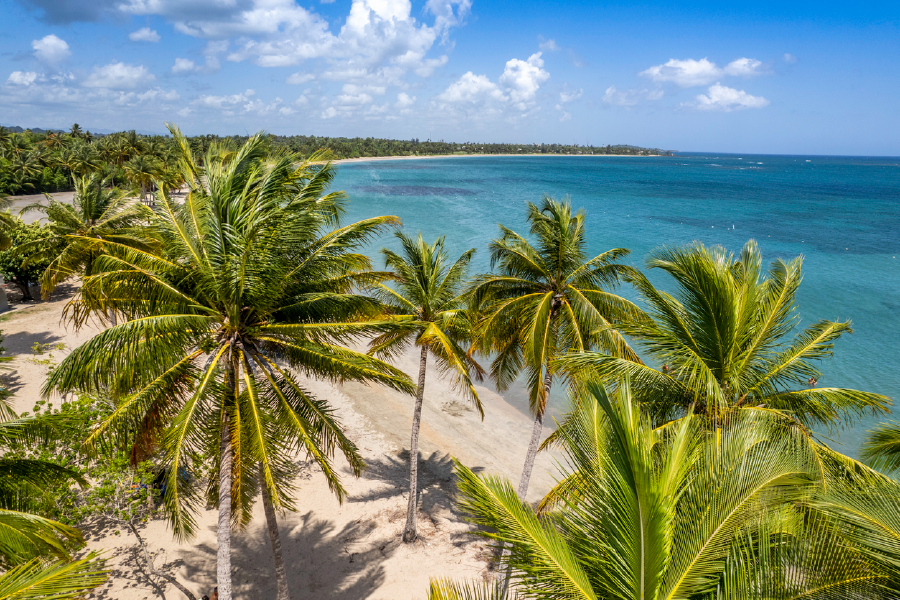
(424, 156)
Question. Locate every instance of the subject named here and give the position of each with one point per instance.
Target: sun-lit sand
(332, 551)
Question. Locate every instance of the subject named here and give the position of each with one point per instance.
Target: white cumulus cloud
(720, 97)
(516, 89)
(183, 65)
(51, 49)
(523, 78)
(743, 67)
(629, 98)
(380, 39)
(691, 73)
(300, 78)
(404, 100)
(144, 34)
(570, 96)
(119, 76)
(548, 45)
(24, 78)
(472, 89)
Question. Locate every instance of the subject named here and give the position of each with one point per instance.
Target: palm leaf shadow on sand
(322, 563)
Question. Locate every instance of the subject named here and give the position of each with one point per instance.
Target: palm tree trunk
(530, 457)
(535, 441)
(223, 529)
(409, 532)
(275, 538)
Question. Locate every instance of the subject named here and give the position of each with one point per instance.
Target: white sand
(332, 551)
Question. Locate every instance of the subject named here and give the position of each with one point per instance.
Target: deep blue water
(841, 213)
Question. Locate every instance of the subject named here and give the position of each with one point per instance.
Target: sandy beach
(333, 551)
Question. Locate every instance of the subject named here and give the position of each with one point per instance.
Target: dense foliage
(25, 270)
(36, 161)
(366, 147)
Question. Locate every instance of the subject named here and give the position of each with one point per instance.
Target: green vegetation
(741, 510)
(98, 212)
(36, 161)
(690, 465)
(26, 270)
(721, 341)
(371, 147)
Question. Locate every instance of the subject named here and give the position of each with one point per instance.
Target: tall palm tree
(722, 341)
(141, 171)
(251, 283)
(681, 511)
(428, 309)
(96, 213)
(546, 299)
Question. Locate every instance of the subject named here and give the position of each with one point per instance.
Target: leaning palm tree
(546, 299)
(721, 341)
(426, 305)
(96, 213)
(251, 283)
(680, 511)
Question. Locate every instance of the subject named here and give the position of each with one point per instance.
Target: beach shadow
(129, 570)
(436, 489)
(322, 562)
(22, 345)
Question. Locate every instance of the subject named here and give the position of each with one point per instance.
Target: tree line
(38, 161)
(692, 464)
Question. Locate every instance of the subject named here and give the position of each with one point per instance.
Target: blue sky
(768, 77)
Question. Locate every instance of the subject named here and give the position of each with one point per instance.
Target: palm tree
(427, 307)
(142, 171)
(681, 511)
(545, 300)
(722, 341)
(80, 159)
(96, 213)
(6, 137)
(250, 284)
(882, 447)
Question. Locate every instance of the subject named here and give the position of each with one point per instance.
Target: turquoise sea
(841, 213)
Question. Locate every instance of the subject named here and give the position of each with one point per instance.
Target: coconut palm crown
(678, 511)
(97, 212)
(252, 284)
(721, 340)
(545, 299)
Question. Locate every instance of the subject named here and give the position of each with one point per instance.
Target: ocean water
(841, 213)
